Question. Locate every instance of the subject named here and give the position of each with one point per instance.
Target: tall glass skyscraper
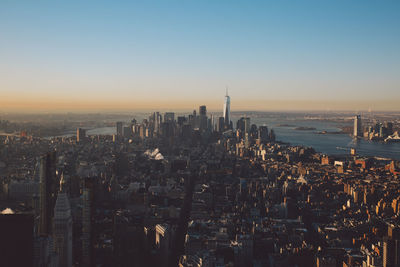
(227, 110)
(357, 131)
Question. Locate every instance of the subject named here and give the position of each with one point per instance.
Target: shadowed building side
(16, 242)
(47, 194)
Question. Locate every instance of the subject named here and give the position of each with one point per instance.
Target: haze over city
(273, 55)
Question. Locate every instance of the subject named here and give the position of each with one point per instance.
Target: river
(332, 144)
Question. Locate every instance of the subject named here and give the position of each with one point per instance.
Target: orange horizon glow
(99, 105)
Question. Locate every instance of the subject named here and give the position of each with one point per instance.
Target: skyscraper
(391, 247)
(227, 110)
(119, 129)
(80, 135)
(263, 133)
(203, 111)
(246, 124)
(47, 194)
(357, 126)
(157, 122)
(62, 228)
(87, 222)
(169, 116)
(202, 118)
(220, 124)
(243, 124)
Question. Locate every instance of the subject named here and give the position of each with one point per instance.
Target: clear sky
(114, 55)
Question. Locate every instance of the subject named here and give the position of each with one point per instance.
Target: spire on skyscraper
(62, 183)
(227, 110)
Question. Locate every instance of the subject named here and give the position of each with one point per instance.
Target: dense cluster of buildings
(194, 191)
(376, 132)
(182, 127)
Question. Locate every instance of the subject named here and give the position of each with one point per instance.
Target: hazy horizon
(193, 104)
(112, 111)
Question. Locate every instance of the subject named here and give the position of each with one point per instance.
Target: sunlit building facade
(227, 110)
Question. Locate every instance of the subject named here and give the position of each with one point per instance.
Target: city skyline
(142, 56)
(200, 133)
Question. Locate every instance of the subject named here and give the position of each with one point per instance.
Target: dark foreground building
(16, 242)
